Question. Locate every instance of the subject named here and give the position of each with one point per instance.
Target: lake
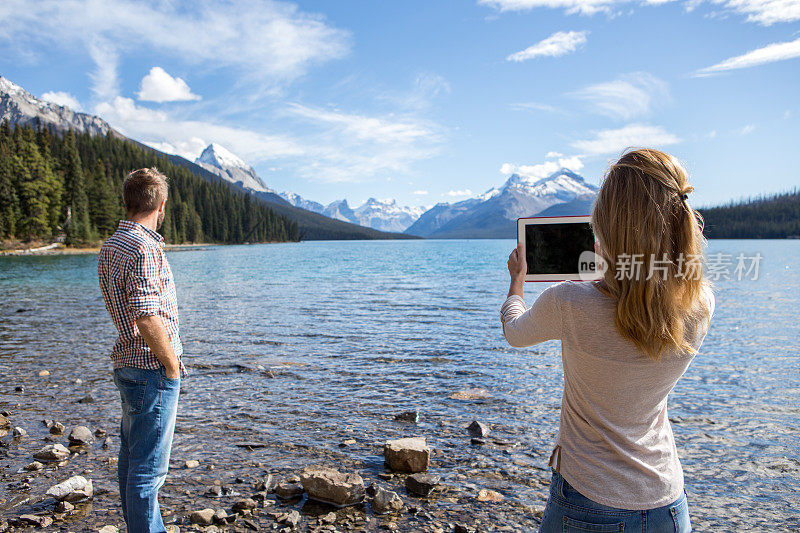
(300, 347)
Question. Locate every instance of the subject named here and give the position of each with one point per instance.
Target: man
(139, 292)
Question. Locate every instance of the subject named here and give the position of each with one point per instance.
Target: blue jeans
(569, 511)
(149, 408)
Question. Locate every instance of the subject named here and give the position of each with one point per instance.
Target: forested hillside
(766, 217)
(52, 185)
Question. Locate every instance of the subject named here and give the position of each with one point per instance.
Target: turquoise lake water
(301, 346)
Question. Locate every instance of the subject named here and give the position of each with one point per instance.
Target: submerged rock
(288, 491)
(478, 429)
(52, 452)
(331, 486)
(407, 455)
(471, 394)
(34, 520)
(408, 416)
(19, 432)
(57, 428)
(386, 501)
(80, 435)
(421, 484)
(247, 504)
(191, 463)
(487, 495)
(75, 489)
(5, 423)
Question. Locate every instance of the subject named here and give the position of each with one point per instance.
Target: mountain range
(490, 215)
(18, 106)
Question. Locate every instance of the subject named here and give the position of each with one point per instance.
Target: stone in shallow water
(5, 423)
(191, 463)
(288, 491)
(34, 520)
(20, 432)
(386, 501)
(471, 394)
(52, 452)
(34, 467)
(57, 428)
(331, 486)
(478, 429)
(421, 484)
(487, 495)
(247, 504)
(407, 455)
(202, 518)
(408, 416)
(80, 435)
(75, 489)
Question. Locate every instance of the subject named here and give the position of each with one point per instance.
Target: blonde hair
(642, 208)
(143, 190)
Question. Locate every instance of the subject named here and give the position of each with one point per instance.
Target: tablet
(559, 248)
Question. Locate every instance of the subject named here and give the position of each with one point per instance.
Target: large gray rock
(407, 455)
(386, 501)
(421, 484)
(52, 452)
(331, 486)
(80, 435)
(75, 489)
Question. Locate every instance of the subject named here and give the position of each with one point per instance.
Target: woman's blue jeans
(149, 408)
(569, 511)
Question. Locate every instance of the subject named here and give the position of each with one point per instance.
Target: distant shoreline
(61, 249)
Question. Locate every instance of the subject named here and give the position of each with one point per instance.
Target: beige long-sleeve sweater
(615, 443)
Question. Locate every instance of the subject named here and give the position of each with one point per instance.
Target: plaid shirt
(136, 281)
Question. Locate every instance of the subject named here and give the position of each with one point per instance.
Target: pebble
(247, 504)
(202, 518)
(44, 373)
(5, 423)
(57, 428)
(34, 467)
(115, 529)
(34, 520)
(421, 484)
(288, 491)
(76, 488)
(100, 433)
(19, 432)
(86, 399)
(64, 507)
(386, 501)
(191, 463)
(471, 394)
(80, 436)
(52, 452)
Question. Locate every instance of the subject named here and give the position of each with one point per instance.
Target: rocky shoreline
(56, 489)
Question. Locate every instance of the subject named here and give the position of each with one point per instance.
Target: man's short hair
(143, 190)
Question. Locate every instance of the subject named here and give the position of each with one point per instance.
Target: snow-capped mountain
(222, 162)
(18, 106)
(492, 214)
(384, 215)
(298, 201)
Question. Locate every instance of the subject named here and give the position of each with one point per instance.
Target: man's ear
(162, 206)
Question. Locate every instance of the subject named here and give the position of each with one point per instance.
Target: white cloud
(760, 56)
(542, 170)
(551, 155)
(765, 12)
(420, 192)
(787, 114)
(745, 130)
(629, 96)
(584, 7)
(459, 193)
(104, 78)
(164, 132)
(616, 140)
(534, 106)
(159, 86)
(712, 134)
(264, 41)
(63, 98)
(558, 44)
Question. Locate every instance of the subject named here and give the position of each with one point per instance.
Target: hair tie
(684, 196)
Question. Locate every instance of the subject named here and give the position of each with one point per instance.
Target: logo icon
(591, 266)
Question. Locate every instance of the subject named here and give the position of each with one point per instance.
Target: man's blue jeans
(569, 511)
(149, 408)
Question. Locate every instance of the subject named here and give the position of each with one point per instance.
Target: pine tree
(75, 199)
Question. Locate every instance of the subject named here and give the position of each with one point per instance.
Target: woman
(625, 342)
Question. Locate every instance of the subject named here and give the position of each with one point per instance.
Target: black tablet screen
(556, 248)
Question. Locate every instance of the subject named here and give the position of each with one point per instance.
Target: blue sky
(430, 101)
